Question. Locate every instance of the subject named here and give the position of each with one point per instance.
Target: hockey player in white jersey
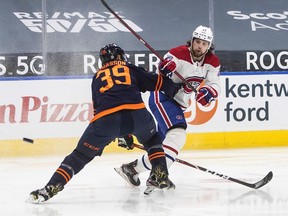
(197, 64)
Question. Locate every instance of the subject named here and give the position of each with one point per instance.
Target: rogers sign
(40, 110)
(257, 20)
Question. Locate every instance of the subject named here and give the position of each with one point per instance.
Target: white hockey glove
(126, 142)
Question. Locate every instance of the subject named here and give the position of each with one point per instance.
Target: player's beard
(197, 53)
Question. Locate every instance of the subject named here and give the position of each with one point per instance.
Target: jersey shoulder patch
(181, 52)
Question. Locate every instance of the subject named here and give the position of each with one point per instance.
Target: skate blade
(167, 187)
(34, 199)
(149, 190)
(119, 171)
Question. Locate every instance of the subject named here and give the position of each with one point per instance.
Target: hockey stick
(256, 185)
(145, 43)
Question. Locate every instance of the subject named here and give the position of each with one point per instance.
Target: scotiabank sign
(275, 21)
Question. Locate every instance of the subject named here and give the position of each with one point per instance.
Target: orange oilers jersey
(118, 86)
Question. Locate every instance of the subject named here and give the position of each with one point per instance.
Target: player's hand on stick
(167, 66)
(126, 142)
(205, 95)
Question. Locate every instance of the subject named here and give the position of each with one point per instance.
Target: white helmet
(203, 33)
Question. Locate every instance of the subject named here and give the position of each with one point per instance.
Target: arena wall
(47, 63)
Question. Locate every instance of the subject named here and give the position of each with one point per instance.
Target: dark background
(165, 24)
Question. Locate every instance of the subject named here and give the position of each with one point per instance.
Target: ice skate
(44, 194)
(128, 172)
(158, 179)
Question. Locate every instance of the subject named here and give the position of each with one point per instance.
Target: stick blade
(264, 181)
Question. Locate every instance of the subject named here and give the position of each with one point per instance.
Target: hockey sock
(173, 143)
(70, 166)
(157, 158)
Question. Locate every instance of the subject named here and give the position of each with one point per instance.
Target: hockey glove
(205, 95)
(126, 142)
(167, 66)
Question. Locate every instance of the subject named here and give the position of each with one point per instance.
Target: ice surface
(99, 190)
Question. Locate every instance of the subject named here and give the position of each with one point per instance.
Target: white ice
(99, 190)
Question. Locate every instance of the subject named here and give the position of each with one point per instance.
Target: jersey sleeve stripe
(159, 83)
(118, 108)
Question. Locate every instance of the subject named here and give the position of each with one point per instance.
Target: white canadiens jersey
(206, 70)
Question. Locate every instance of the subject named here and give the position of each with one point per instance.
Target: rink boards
(51, 103)
(197, 141)
(250, 112)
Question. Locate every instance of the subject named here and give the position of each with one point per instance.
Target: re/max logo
(74, 22)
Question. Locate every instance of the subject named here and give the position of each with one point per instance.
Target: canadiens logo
(194, 82)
